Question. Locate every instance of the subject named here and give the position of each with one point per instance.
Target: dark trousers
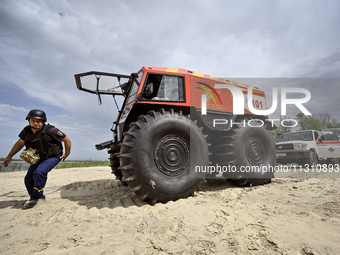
(36, 177)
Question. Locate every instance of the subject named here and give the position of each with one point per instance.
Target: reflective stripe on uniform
(39, 190)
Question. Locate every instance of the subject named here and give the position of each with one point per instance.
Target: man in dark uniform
(46, 139)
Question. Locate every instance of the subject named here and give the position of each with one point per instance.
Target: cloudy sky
(44, 43)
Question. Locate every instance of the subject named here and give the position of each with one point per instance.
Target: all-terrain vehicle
(177, 126)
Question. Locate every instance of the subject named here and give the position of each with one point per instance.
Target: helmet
(37, 114)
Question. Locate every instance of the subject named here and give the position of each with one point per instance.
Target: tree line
(318, 122)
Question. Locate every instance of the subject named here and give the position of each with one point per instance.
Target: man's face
(36, 123)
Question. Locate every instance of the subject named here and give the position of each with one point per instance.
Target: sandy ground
(88, 212)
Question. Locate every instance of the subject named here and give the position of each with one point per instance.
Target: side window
(316, 134)
(331, 135)
(164, 88)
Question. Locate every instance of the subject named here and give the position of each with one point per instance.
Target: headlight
(298, 146)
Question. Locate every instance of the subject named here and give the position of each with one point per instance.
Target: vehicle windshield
(331, 134)
(135, 86)
(299, 136)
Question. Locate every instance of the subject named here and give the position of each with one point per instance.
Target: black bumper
(291, 156)
(104, 145)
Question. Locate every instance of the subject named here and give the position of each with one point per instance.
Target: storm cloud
(44, 43)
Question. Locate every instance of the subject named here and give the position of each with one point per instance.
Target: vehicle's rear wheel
(159, 155)
(250, 153)
(333, 161)
(336, 161)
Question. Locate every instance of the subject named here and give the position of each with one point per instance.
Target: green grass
(87, 163)
(67, 164)
(12, 168)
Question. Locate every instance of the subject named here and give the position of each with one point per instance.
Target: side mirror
(125, 88)
(149, 89)
(321, 139)
(147, 92)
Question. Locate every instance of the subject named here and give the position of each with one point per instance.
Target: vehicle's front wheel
(159, 155)
(312, 159)
(114, 162)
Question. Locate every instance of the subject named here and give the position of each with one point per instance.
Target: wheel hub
(255, 151)
(171, 155)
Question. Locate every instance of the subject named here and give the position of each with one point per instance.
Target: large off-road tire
(245, 150)
(114, 162)
(312, 159)
(159, 155)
